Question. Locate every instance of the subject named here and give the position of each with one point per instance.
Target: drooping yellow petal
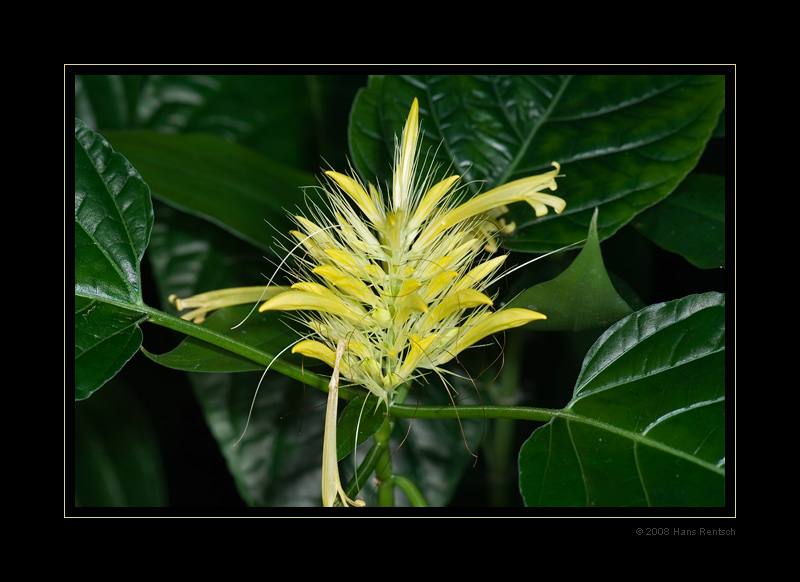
(526, 189)
(486, 326)
(303, 300)
(331, 485)
(455, 301)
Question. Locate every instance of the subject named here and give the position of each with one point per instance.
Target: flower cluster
(400, 281)
(393, 288)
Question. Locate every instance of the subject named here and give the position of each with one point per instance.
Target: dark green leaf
(113, 219)
(117, 459)
(106, 337)
(646, 424)
(582, 297)
(691, 221)
(229, 185)
(264, 331)
(278, 460)
(359, 420)
(624, 142)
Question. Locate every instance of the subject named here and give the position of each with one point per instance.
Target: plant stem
(383, 470)
(500, 442)
(410, 490)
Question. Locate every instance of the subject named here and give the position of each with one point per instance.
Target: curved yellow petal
(525, 189)
(307, 301)
(488, 325)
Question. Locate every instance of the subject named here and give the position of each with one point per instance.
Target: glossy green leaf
(359, 420)
(624, 142)
(106, 337)
(582, 297)
(691, 221)
(226, 184)
(646, 424)
(271, 114)
(113, 219)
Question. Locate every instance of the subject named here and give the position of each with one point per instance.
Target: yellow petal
(479, 273)
(418, 348)
(301, 300)
(211, 300)
(358, 194)
(486, 326)
(463, 299)
(526, 189)
(350, 285)
(428, 203)
(331, 485)
(404, 170)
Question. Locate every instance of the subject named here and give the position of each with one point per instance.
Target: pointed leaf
(691, 221)
(646, 424)
(582, 297)
(113, 219)
(624, 142)
(225, 183)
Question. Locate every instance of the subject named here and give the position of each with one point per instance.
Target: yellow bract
(392, 287)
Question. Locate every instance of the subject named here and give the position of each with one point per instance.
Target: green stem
(383, 470)
(476, 411)
(410, 490)
(320, 382)
(499, 445)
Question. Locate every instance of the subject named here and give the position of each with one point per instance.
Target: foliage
(183, 183)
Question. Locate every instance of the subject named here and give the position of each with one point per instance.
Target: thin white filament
(253, 403)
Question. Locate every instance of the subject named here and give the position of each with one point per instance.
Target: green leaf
(359, 420)
(224, 183)
(580, 298)
(274, 451)
(691, 221)
(264, 331)
(624, 142)
(113, 219)
(106, 337)
(117, 458)
(646, 424)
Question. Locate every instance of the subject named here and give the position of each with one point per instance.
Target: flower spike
(393, 288)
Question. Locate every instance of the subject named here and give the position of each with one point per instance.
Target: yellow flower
(398, 278)
(393, 287)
